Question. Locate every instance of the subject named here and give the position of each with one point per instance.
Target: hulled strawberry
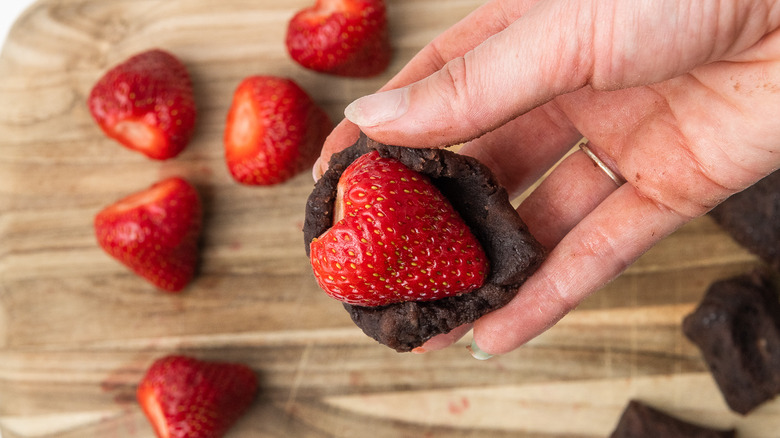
(341, 37)
(146, 103)
(274, 130)
(185, 397)
(155, 232)
(395, 238)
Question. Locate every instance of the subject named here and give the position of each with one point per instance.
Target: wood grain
(77, 330)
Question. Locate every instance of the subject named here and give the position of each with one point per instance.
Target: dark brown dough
(482, 203)
(640, 420)
(752, 218)
(737, 329)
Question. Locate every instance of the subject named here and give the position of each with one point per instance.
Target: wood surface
(77, 330)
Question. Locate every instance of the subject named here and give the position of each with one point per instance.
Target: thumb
(521, 67)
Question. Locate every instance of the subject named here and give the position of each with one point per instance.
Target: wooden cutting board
(77, 330)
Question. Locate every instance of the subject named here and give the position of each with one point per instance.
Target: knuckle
(458, 88)
(455, 75)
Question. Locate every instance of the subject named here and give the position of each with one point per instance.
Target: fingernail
(419, 350)
(316, 170)
(378, 108)
(477, 353)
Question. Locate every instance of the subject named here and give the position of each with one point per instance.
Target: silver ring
(617, 179)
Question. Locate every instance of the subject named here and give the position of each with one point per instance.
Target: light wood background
(77, 330)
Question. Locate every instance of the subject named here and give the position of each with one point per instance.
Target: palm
(689, 142)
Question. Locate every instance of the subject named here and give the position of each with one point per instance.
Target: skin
(678, 97)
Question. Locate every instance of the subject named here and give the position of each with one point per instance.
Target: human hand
(678, 98)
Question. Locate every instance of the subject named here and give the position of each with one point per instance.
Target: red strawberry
(155, 232)
(274, 130)
(341, 37)
(185, 397)
(396, 238)
(146, 103)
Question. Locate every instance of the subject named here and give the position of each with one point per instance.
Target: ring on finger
(616, 178)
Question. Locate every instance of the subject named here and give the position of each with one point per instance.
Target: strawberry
(395, 238)
(146, 103)
(155, 232)
(274, 130)
(185, 397)
(341, 37)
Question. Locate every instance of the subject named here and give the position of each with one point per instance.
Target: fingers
(595, 251)
(575, 188)
(443, 341)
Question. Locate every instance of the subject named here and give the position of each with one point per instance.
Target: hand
(680, 98)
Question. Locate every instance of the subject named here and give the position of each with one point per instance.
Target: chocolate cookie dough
(737, 328)
(640, 420)
(482, 203)
(752, 218)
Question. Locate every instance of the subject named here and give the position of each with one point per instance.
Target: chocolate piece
(752, 218)
(737, 328)
(640, 420)
(482, 203)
